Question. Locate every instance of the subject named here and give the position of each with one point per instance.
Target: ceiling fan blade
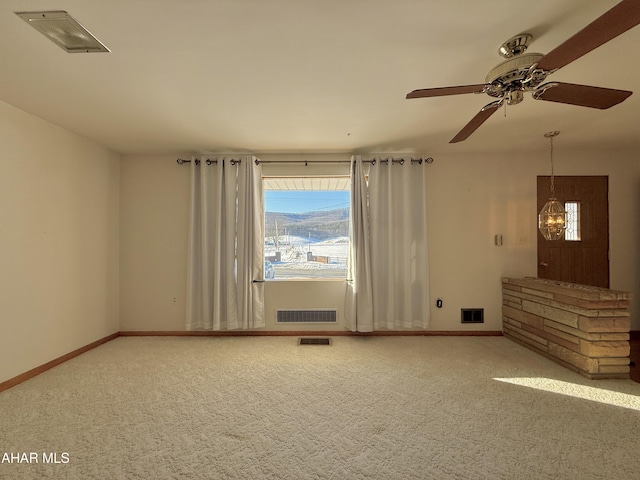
(476, 121)
(619, 19)
(442, 91)
(581, 95)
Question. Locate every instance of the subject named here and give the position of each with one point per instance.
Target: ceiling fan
(526, 72)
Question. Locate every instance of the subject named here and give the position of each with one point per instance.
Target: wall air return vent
(306, 316)
(63, 30)
(472, 315)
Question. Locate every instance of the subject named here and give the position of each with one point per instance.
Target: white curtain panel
(388, 268)
(250, 249)
(225, 256)
(399, 254)
(359, 297)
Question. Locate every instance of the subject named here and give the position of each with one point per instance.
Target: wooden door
(586, 260)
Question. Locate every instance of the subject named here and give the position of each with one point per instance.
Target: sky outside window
(304, 201)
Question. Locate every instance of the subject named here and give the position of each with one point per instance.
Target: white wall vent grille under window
(306, 316)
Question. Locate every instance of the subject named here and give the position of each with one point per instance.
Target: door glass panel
(572, 232)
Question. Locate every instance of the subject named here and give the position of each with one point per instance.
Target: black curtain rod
(208, 161)
(373, 161)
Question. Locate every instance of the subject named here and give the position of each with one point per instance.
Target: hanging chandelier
(552, 219)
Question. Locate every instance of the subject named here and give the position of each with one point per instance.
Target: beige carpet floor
(363, 408)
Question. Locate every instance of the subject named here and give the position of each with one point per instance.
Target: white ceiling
(308, 75)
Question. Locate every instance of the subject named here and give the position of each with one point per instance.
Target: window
(572, 226)
(306, 227)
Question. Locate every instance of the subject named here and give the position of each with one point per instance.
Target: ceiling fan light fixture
(514, 97)
(63, 30)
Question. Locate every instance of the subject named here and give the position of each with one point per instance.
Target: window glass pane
(306, 227)
(572, 232)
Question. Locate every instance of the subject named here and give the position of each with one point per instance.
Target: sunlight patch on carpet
(584, 392)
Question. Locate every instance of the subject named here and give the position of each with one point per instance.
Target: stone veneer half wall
(585, 329)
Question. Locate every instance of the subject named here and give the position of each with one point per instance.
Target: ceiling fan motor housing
(515, 74)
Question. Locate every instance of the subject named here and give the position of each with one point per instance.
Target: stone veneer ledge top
(568, 289)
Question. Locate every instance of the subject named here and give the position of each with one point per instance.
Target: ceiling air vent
(62, 29)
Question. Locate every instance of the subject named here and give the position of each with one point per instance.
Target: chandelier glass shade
(552, 220)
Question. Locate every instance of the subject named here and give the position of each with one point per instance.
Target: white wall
(471, 198)
(154, 221)
(58, 242)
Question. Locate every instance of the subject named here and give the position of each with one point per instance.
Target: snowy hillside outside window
(306, 227)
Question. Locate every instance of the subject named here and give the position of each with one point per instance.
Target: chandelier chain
(553, 189)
